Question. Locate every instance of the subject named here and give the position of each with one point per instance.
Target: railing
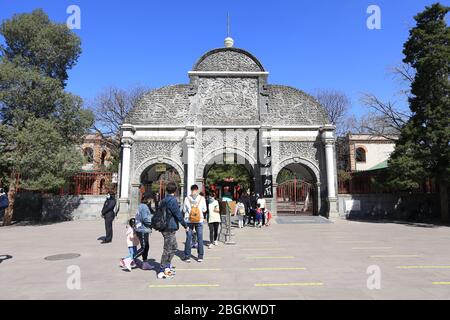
(376, 182)
(89, 183)
(293, 191)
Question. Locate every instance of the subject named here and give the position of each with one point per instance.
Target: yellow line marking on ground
(442, 283)
(275, 269)
(303, 284)
(371, 248)
(281, 257)
(395, 256)
(183, 285)
(423, 267)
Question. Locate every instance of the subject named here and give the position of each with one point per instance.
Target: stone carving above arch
(219, 151)
(304, 149)
(156, 160)
(299, 160)
(228, 59)
(147, 149)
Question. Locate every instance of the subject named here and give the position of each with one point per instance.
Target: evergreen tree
(41, 123)
(423, 149)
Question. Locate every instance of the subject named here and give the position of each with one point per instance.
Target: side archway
(297, 187)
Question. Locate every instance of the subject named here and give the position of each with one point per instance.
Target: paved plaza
(300, 259)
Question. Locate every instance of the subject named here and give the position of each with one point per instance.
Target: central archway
(228, 175)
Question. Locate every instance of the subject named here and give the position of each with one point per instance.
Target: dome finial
(229, 42)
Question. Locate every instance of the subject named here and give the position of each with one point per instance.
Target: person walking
(109, 214)
(132, 242)
(253, 202)
(240, 212)
(262, 205)
(4, 202)
(143, 228)
(194, 210)
(170, 207)
(214, 221)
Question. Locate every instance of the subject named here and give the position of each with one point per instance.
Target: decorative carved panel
(228, 101)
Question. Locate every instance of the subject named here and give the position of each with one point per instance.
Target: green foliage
(33, 41)
(40, 122)
(422, 150)
(285, 175)
(41, 155)
(219, 172)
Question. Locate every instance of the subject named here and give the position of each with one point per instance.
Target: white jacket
(201, 205)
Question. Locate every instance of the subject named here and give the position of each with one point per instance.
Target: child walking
(258, 218)
(132, 242)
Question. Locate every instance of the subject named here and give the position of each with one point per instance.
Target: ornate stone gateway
(228, 108)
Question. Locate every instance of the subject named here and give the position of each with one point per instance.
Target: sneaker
(187, 260)
(127, 262)
(133, 265)
(200, 260)
(121, 263)
(173, 269)
(166, 274)
(210, 246)
(216, 243)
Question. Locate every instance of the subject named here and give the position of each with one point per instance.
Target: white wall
(376, 153)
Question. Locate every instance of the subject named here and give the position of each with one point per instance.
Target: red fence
(375, 182)
(293, 191)
(90, 183)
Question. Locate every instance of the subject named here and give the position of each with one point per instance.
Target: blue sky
(308, 44)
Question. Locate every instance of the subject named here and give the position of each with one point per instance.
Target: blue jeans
(131, 252)
(187, 247)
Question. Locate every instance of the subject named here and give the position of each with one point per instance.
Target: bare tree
(111, 108)
(384, 118)
(336, 104)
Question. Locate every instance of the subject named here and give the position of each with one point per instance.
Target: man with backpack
(194, 209)
(165, 220)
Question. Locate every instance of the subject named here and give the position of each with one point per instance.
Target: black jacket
(108, 207)
(246, 201)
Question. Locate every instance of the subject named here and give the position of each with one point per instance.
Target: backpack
(140, 220)
(194, 213)
(159, 220)
(241, 209)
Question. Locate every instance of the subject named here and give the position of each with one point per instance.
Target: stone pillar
(329, 141)
(190, 143)
(275, 198)
(124, 200)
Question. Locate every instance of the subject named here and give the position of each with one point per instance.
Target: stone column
(124, 200)
(275, 198)
(190, 143)
(329, 141)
